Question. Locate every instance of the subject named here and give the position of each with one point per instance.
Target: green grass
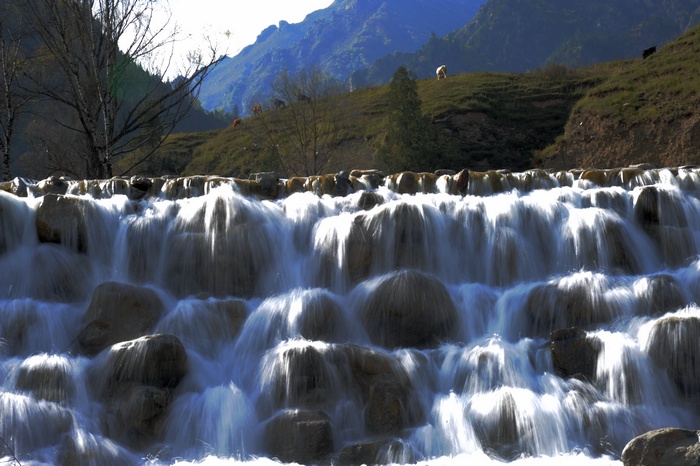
(507, 119)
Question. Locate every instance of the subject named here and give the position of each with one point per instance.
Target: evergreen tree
(411, 143)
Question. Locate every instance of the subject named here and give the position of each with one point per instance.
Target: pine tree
(411, 143)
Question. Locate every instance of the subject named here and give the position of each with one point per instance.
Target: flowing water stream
(513, 325)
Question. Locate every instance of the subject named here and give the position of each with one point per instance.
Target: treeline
(81, 86)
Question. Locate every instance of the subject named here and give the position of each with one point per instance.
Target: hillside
(517, 36)
(647, 112)
(346, 36)
(494, 120)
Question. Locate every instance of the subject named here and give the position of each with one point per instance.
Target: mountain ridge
(348, 35)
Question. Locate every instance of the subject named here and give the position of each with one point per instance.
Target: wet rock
(135, 381)
(305, 437)
(498, 430)
(47, 377)
(28, 424)
(385, 412)
(85, 449)
(62, 220)
(373, 178)
(321, 319)
(157, 360)
(669, 346)
(295, 185)
(574, 354)
(118, 312)
(409, 309)
(265, 185)
(668, 447)
(576, 301)
(385, 388)
(300, 377)
(227, 256)
(342, 184)
(380, 451)
(205, 325)
(661, 215)
(369, 199)
(358, 248)
(660, 294)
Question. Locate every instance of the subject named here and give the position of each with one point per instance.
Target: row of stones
(270, 186)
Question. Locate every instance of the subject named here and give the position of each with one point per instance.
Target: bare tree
(302, 128)
(107, 59)
(13, 97)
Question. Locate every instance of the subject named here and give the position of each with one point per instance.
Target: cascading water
(523, 317)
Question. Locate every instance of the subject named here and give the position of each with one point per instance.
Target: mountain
(346, 36)
(521, 35)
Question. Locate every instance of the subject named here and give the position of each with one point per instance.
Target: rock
(662, 216)
(574, 354)
(659, 294)
(380, 451)
(321, 319)
(576, 301)
(369, 199)
(667, 447)
(668, 346)
(299, 377)
(205, 325)
(265, 185)
(47, 377)
(135, 381)
(85, 449)
(118, 312)
(498, 431)
(300, 436)
(385, 389)
(385, 411)
(62, 220)
(409, 309)
(157, 360)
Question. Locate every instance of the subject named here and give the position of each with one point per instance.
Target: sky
(242, 19)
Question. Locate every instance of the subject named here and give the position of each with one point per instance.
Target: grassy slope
(496, 119)
(647, 111)
(499, 120)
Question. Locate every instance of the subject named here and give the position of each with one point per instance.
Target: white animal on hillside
(441, 72)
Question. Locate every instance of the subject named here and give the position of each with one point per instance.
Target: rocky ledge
(270, 186)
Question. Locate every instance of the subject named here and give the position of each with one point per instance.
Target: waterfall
(528, 318)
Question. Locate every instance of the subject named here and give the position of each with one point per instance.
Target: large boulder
(574, 353)
(409, 309)
(135, 380)
(662, 216)
(298, 376)
(47, 377)
(576, 301)
(659, 294)
(205, 325)
(118, 312)
(62, 219)
(667, 447)
(386, 390)
(301, 436)
(673, 346)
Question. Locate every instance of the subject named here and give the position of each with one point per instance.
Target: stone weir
(269, 186)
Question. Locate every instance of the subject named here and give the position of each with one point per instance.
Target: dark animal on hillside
(257, 109)
(236, 122)
(279, 103)
(303, 98)
(441, 72)
(648, 52)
